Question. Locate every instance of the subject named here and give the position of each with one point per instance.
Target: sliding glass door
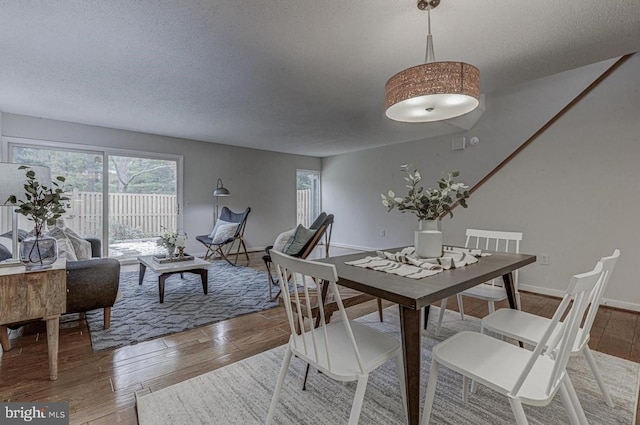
(83, 171)
(129, 209)
(142, 204)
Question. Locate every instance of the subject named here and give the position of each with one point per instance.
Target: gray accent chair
(93, 283)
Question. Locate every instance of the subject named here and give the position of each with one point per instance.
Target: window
(308, 196)
(141, 192)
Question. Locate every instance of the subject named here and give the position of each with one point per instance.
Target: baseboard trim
(622, 305)
(356, 247)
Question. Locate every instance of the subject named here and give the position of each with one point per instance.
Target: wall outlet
(544, 259)
(383, 232)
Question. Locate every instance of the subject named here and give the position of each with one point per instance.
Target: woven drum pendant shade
(432, 92)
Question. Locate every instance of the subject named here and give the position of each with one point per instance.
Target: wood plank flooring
(100, 386)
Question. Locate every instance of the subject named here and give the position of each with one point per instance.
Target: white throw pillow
(282, 239)
(81, 246)
(65, 247)
(215, 228)
(224, 232)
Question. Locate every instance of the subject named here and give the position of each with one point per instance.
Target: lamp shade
(220, 190)
(432, 91)
(14, 179)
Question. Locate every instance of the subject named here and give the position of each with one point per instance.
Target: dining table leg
(411, 348)
(509, 288)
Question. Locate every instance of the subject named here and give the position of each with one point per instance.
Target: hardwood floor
(100, 386)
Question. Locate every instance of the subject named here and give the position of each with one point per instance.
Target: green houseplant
(43, 205)
(428, 204)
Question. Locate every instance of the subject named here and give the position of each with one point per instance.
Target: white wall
(572, 192)
(265, 181)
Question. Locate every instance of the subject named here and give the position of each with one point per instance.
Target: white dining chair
(493, 290)
(343, 350)
(523, 376)
(529, 328)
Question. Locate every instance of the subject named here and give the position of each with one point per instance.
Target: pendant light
(433, 91)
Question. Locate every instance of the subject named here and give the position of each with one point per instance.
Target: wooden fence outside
(137, 214)
(304, 208)
(143, 215)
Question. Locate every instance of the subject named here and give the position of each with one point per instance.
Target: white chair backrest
(573, 305)
(494, 240)
(301, 298)
(608, 264)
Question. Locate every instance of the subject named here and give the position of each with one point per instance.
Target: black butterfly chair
(218, 248)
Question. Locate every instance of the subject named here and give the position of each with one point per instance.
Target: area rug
(240, 393)
(138, 316)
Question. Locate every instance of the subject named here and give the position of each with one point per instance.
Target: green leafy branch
(428, 204)
(42, 204)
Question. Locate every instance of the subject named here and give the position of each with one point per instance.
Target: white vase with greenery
(429, 205)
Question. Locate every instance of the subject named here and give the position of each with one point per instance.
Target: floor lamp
(13, 181)
(219, 191)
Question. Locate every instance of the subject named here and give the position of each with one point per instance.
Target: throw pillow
(282, 240)
(80, 245)
(299, 240)
(21, 235)
(7, 243)
(5, 254)
(224, 232)
(64, 245)
(215, 228)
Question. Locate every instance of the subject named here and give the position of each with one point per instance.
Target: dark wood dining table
(412, 295)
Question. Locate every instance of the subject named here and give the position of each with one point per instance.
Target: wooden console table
(40, 294)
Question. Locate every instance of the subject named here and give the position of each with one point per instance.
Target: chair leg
(380, 310)
(460, 306)
(358, 399)
(518, 411)
(278, 389)
(431, 392)
(574, 399)
(492, 307)
(402, 381)
(596, 373)
(443, 308)
(466, 382)
(107, 317)
(568, 404)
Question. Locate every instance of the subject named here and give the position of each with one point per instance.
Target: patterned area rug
(240, 393)
(138, 316)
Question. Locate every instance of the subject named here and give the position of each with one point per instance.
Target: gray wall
(265, 181)
(572, 192)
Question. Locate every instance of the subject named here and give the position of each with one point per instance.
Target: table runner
(405, 263)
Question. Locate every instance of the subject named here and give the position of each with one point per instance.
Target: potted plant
(428, 205)
(43, 205)
(170, 240)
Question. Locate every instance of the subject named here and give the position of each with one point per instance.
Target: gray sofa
(91, 283)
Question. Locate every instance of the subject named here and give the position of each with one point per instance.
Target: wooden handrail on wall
(548, 124)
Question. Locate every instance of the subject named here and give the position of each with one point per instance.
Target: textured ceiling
(297, 76)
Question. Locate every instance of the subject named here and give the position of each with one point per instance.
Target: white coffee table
(164, 270)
